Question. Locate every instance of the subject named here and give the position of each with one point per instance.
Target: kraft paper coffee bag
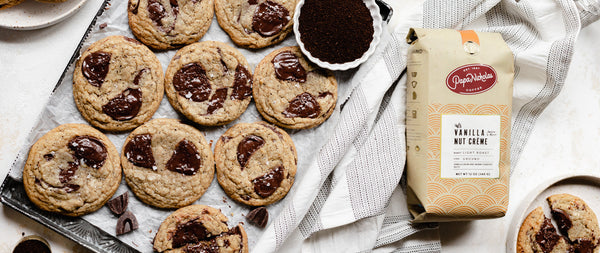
(459, 96)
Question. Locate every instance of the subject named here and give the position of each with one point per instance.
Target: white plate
(31, 14)
(587, 187)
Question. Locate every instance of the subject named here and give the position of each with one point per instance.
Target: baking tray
(585, 186)
(12, 192)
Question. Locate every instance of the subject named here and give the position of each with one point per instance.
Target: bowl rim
(377, 30)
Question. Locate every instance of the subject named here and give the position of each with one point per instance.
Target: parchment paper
(61, 109)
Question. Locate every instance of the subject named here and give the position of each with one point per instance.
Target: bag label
(471, 79)
(470, 146)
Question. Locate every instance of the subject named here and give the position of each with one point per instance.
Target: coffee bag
(459, 96)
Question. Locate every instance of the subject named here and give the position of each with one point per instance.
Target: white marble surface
(565, 140)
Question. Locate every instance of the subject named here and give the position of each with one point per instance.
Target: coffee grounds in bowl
(336, 31)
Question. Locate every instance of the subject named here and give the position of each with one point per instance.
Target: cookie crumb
(103, 25)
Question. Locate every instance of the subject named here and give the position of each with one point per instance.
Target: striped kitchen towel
(351, 199)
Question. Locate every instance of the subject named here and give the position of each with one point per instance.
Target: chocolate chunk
(584, 246)
(139, 151)
(225, 138)
(242, 84)
(245, 197)
(235, 231)
(269, 18)
(185, 159)
(132, 40)
(190, 232)
(95, 67)
(258, 216)
(119, 204)
(225, 68)
(32, 245)
(304, 105)
(133, 6)
(216, 101)
(325, 94)
(191, 82)
(66, 175)
(71, 188)
(125, 106)
(247, 147)
(562, 220)
(126, 223)
(547, 237)
(266, 185)
(156, 12)
(136, 79)
(174, 7)
(287, 67)
(89, 150)
(252, 2)
(48, 156)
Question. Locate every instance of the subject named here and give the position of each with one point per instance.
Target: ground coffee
(336, 31)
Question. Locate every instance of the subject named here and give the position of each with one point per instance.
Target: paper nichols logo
(471, 79)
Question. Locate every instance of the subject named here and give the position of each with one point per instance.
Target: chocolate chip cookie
(537, 234)
(209, 82)
(167, 164)
(199, 228)
(291, 92)
(72, 170)
(117, 83)
(576, 221)
(256, 163)
(255, 23)
(167, 24)
(9, 3)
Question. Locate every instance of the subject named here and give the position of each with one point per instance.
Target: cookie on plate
(576, 220)
(255, 23)
(72, 170)
(167, 164)
(117, 83)
(209, 82)
(256, 163)
(167, 24)
(199, 228)
(9, 3)
(537, 234)
(291, 92)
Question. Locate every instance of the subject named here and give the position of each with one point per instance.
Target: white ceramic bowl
(31, 14)
(373, 8)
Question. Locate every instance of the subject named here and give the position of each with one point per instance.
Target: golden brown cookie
(537, 234)
(167, 24)
(255, 23)
(199, 228)
(167, 164)
(256, 163)
(209, 82)
(576, 221)
(117, 83)
(291, 92)
(72, 170)
(9, 3)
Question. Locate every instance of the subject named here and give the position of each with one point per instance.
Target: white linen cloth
(351, 199)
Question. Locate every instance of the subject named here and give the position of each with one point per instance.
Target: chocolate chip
(216, 101)
(132, 40)
(174, 7)
(136, 79)
(225, 138)
(133, 6)
(287, 67)
(304, 106)
(245, 197)
(247, 147)
(584, 246)
(103, 25)
(242, 83)
(48, 156)
(225, 68)
(191, 82)
(71, 188)
(252, 2)
(185, 159)
(119, 204)
(270, 18)
(66, 175)
(547, 237)
(126, 223)
(156, 12)
(95, 67)
(258, 216)
(125, 106)
(267, 184)
(562, 220)
(325, 94)
(139, 151)
(88, 149)
(190, 232)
